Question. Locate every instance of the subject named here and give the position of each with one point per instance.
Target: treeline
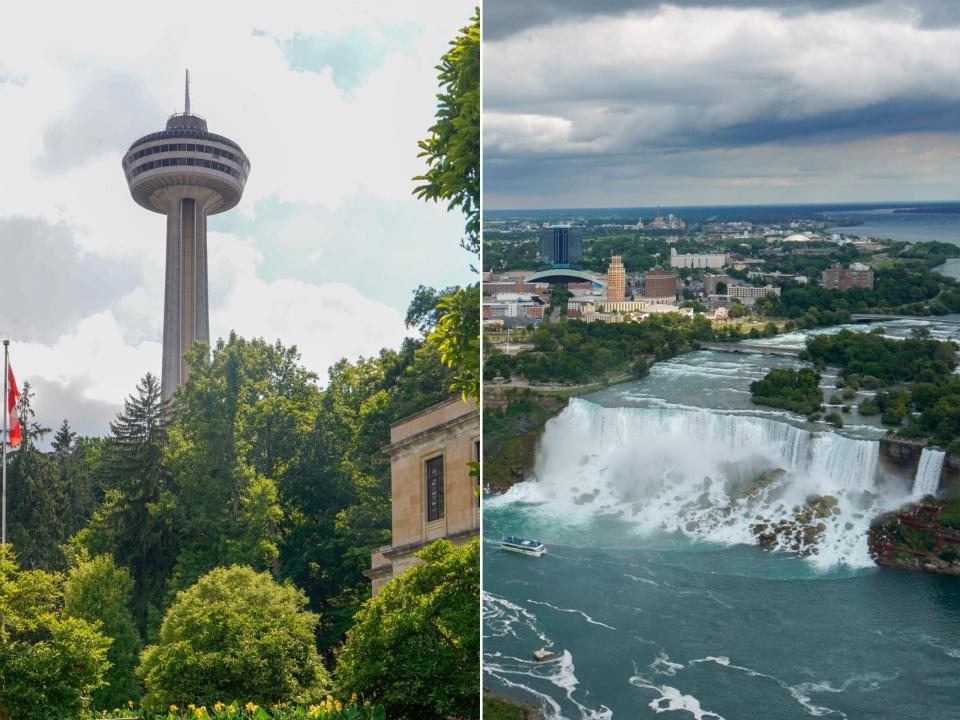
(573, 351)
(918, 392)
(898, 290)
(877, 360)
(251, 465)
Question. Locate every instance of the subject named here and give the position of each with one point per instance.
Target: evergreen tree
(135, 519)
(35, 496)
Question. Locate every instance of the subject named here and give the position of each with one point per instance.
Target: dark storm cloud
(881, 119)
(503, 18)
(108, 116)
(55, 403)
(51, 285)
(598, 107)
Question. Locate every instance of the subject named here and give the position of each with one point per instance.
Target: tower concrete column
(185, 172)
(186, 315)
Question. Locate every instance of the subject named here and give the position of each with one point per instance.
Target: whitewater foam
(715, 476)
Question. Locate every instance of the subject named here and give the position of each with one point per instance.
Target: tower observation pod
(185, 173)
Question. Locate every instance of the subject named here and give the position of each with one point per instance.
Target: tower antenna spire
(186, 94)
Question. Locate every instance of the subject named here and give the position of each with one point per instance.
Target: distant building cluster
(722, 264)
(837, 277)
(670, 222)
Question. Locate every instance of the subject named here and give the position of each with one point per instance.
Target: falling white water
(927, 480)
(712, 476)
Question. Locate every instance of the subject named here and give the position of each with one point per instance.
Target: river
(655, 591)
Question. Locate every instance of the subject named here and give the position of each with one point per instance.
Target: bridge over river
(741, 347)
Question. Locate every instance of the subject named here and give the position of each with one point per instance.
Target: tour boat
(524, 546)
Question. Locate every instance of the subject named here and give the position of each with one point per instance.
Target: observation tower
(185, 173)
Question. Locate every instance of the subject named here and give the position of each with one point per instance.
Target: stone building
(433, 494)
(616, 280)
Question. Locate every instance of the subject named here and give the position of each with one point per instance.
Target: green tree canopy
(99, 592)
(416, 646)
(49, 662)
(452, 150)
(235, 635)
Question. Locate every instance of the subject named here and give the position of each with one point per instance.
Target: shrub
(416, 646)
(949, 554)
(98, 591)
(236, 634)
(47, 661)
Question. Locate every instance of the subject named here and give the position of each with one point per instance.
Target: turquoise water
(654, 588)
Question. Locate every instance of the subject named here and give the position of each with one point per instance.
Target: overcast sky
(327, 99)
(637, 103)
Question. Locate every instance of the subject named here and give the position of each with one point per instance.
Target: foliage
(235, 634)
(99, 592)
(452, 150)
(457, 339)
(47, 659)
(891, 361)
(328, 709)
(511, 432)
(423, 312)
(794, 390)
(899, 288)
(572, 351)
(135, 525)
(416, 646)
(495, 708)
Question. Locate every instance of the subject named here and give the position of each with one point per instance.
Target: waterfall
(716, 476)
(927, 480)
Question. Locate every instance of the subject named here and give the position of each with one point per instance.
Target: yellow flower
(251, 707)
(218, 706)
(173, 708)
(129, 703)
(353, 698)
(314, 711)
(200, 712)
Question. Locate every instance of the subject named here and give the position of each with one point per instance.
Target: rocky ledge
(921, 536)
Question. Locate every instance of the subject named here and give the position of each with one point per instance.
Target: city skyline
(720, 103)
(324, 249)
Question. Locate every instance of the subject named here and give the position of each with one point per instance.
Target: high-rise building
(616, 279)
(837, 277)
(560, 245)
(660, 284)
(185, 173)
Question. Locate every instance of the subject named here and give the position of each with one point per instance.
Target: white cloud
(85, 89)
(326, 322)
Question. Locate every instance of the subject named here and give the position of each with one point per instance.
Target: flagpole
(6, 422)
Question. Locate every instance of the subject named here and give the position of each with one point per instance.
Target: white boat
(524, 546)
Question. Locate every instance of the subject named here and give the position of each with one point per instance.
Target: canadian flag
(14, 420)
